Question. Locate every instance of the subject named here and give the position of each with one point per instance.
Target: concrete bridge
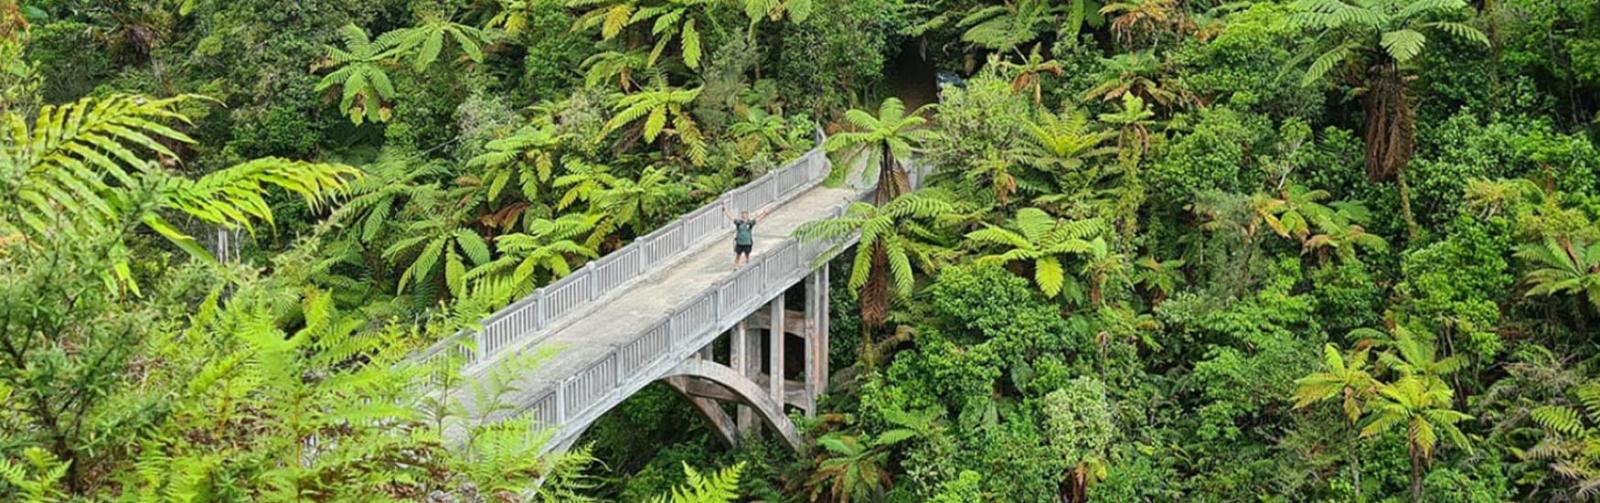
(656, 309)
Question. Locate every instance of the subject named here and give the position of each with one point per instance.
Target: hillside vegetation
(1164, 250)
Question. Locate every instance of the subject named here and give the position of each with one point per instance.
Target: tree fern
(512, 16)
(655, 106)
(78, 165)
(850, 468)
(668, 20)
(1570, 267)
(719, 487)
(758, 131)
(583, 181)
(775, 10)
(884, 226)
(615, 65)
(543, 254)
(1043, 240)
(1376, 42)
(642, 202)
(426, 41)
(366, 87)
(1571, 440)
(1003, 28)
(386, 186)
(875, 146)
(528, 156)
(433, 241)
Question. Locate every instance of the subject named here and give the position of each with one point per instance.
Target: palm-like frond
(655, 106)
(1571, 268)
(80, 165)
(1036, 236)
(431, 241)
(1348, 29)
(615, 65)
(544, 254)
(638, 202)
(888, 226)
(386, 185)
(1003, 28)
(891, 133)
(719, 487)
(1343, 378)
(667, 20)
(366, 87)
(1063, 143)
(583, 181)
(1423, 405)
(426, 41)
(60, 168)
(528, 155)
(232, 197)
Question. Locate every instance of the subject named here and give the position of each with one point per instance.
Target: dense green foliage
(1282, 250)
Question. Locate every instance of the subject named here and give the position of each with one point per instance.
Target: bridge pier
(817, 342)
(745, 358)
(760, 338)
(776, 337)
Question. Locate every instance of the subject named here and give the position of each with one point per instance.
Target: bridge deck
(585, 338)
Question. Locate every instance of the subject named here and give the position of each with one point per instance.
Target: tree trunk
(1416, 474)
(1350, 452)
(1390, 126)
(1405, 205)
(875, 294)
(892, 180)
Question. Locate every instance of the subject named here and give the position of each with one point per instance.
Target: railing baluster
(538, 309)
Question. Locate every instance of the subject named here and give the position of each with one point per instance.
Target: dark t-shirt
(742, 231)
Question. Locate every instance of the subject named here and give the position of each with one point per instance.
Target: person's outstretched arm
(762, 215)
(726, 213)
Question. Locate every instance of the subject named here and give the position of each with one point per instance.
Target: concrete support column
(775, 339)
(814, 300)
(747, 345)
(739, 349)
(821, 370)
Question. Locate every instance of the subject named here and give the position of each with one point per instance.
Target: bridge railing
(686, 328)
(531, 317)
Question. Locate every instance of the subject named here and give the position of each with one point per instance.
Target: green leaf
(691, 45)
(1403, 45)
(1325, 63)
(894, 436)
(176, 237)
(454, 274)
(655, 123)
(1049, 274)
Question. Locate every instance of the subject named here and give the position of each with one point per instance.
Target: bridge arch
(685, 377)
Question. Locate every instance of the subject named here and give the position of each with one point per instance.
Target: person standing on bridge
(743, 233)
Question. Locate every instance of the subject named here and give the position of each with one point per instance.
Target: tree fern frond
(1557, 418)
